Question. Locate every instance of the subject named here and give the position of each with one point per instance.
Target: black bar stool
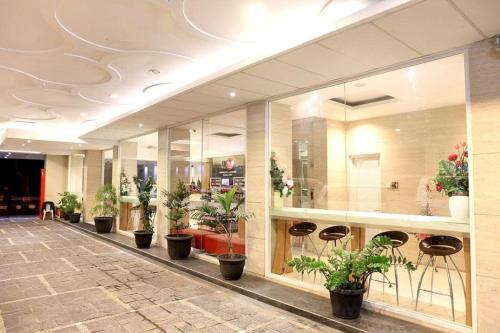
(445, 247)
(398, 239)
(332, 234)
(303, 230)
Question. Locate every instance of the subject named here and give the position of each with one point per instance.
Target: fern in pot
(144, 237)
(177, 202)
(222, 215)
(105, 210)
(346, 272)
(70, 206)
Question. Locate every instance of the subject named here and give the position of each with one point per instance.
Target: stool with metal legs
(303, 230)
(398, 239)
(332, 234)
(445, 247)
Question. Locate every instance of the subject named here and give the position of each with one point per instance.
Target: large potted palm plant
(105, 210)
(223, 214)
(346, 272)
(144, 237)
(70, 206)
(177, 202)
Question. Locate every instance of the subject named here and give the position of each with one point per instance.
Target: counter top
(133, 199)
(416, 223)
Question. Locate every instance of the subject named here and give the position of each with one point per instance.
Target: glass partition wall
(366, 155)
(209, 156)
(139, 157)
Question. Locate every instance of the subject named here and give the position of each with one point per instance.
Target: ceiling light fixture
(232, 94)
(29, 141)
(141, 124)
(398, 129)
(23, 145)
(83, 114)
(114, 96)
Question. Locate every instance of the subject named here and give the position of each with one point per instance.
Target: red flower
(457, 147)
(458, 163)
(452, 157)
(439, 187)
(466, 153)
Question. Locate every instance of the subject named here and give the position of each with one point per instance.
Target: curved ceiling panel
(30, 113)
(50, 98)
(35, 35)
(248, 20)
(63, 69)
(128, 25)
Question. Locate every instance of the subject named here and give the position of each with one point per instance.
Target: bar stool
(332, 234)
(398, 239)
(303, 230)
(445, 247)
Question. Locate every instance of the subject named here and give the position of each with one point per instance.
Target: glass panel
(367, 155)
(108, 166)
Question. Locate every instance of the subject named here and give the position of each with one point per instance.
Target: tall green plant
(69, 203)
(349, 270)
(144, 189)
(106, 201)
(177, 203)
(225, 211)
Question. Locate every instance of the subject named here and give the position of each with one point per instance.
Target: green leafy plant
(106, 201)
(349, 270)
(144, 189)
(453, 173)
(177, 203)
(69, 203)
(222, 214)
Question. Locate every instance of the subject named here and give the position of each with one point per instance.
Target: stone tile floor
(56, 279)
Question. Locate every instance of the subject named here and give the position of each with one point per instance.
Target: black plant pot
(143, 239)
(178, 245)
(231, 266)
(103, 224)
(74, 217)
(65, 217)
(346, 304)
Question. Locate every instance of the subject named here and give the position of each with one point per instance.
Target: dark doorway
(20, 185)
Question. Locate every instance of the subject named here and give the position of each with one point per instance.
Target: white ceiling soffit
(49, 147)
(404, 33)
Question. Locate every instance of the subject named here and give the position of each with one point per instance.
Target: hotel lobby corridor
(56, 279)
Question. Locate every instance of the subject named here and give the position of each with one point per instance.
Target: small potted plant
(223, 215)
(282, 184)
(105, 210)
(70, 206)
(144, 237)
(177, 202)
(453, 180)
(346, 272)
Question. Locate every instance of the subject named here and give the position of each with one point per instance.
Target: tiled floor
(54, 278)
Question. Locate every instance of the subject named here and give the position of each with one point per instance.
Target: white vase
(459, 206)
(277, 200)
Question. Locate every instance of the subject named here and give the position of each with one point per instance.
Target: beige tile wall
(484, 71)
(92, 180)
(56, 178)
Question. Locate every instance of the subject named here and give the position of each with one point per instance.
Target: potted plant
(177, 202)
(105, 210)
(69, 204)
(222, 215)
(453, 180)
(346, 272)
(281, 184)
(144, 237)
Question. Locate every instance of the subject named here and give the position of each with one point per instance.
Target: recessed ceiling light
(398, 129)
(154, 71)
(232, 94)
(23, 145)
(83, 114)
(141, 124)
(29, 141)
(114, 96)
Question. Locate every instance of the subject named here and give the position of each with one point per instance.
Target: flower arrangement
(280, 182)
(125, 186)
(453, 173)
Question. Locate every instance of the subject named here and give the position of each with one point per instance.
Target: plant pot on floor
(459, 206)
(143, 239)
(346, 304)
(74, 217)
(103, 224)
(231, 265)
(178, 245)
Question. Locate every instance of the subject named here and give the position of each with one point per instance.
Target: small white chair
(48, 207)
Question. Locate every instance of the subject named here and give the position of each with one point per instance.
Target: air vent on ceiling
(363, 102)
(226, 135)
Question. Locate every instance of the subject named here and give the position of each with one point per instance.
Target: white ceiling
(80, 68)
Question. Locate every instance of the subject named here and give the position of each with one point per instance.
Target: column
(162, 184)
(92, 180)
